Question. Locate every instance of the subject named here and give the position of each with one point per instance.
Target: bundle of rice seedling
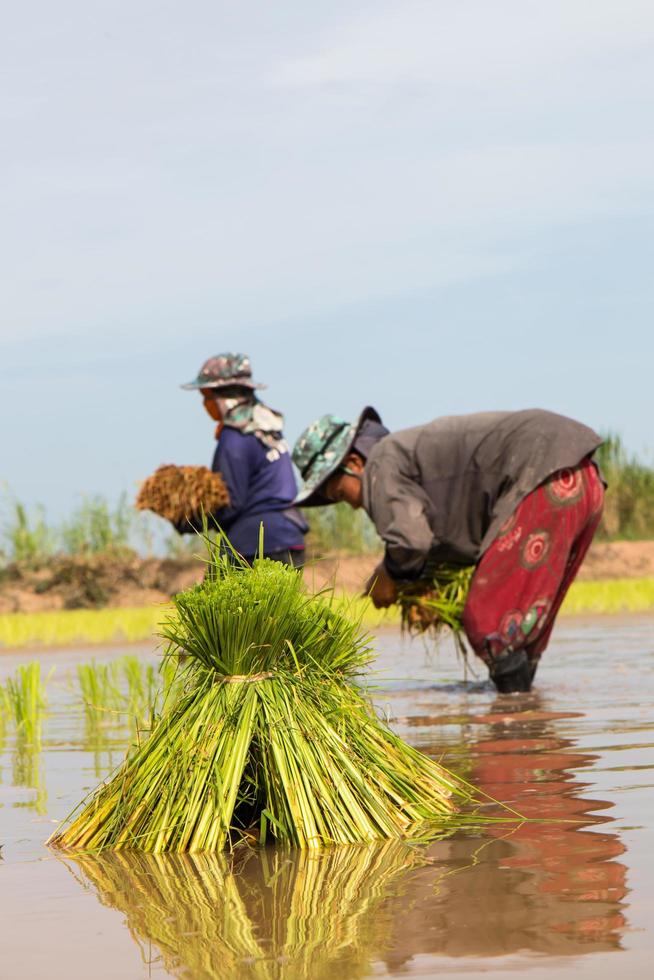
(436, 600)
(264, 914)
(268, 735)
(176, 492)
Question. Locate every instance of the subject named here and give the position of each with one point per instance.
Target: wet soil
(93, 583)
(569, 893)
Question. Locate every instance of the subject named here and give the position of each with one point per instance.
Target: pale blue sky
(432, 207)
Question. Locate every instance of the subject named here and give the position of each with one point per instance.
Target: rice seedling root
(437, 600)
(176, 492)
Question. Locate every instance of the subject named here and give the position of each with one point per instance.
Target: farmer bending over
(253, 459)
(514, 493)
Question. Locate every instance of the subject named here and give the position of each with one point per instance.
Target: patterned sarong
(521, 580)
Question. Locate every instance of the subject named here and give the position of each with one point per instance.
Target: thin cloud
(468, 42)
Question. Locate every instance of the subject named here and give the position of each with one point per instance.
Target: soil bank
(99, 582)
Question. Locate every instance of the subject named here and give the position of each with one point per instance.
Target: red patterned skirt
(521, 580)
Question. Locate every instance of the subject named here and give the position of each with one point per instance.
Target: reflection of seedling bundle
(269, 738)
(176, 492)
(265, 914)
(437, 599)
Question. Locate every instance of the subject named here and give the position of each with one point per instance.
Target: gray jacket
(444, 489)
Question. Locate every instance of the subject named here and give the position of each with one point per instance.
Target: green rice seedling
(265, 914)
(270, 738)
(142, 686)
(65, 627)
(98, 684)
(436, 600)
(171, 683)
(70, 626)
(4, 712)
(610, 597)
(24, 701)
(115, 696)
(122, 691)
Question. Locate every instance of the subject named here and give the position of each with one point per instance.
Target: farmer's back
(468, 472)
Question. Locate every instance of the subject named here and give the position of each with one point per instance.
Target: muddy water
(574, 894)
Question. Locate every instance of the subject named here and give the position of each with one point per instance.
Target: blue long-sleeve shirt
(262, 487)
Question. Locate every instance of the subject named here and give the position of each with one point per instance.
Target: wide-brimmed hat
(321, 449)
(223, 371)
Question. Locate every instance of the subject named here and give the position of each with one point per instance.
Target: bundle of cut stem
(270, 736)
(436, 600)
(306, 916)
(176, 492)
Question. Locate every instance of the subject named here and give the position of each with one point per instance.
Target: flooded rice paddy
(574, 894)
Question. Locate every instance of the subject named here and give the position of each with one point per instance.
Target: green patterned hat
(224, 370)
(320, 450)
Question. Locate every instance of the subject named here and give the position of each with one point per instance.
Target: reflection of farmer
(515, 493)
(254, 461)
(551, 885)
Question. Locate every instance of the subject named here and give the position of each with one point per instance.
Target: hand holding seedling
(381, 588)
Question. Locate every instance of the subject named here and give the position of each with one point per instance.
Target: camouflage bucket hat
(224, 370)
(319, 452)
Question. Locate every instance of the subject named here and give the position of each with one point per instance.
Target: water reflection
(574, 878)
(27, 772)
(555, 887)
(264, 914)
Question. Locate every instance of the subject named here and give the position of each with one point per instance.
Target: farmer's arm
(399, 509)
(233, 459)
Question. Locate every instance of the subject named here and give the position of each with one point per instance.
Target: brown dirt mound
(92, 583)
(619, 559)
(88, 583)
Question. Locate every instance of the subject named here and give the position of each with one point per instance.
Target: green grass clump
(94, 527)
(629, 501)
(270, 737)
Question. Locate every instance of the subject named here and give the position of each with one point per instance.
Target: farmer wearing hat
(254, 461)
(514, 493)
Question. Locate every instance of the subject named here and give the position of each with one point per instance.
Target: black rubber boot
(513, 673)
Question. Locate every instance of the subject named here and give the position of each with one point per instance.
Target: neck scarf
(250, 416)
